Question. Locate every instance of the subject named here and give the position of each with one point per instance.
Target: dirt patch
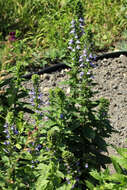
(111, 76)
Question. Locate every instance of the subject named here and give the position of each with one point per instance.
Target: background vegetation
(42, 28)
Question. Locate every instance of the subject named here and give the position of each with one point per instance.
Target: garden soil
(111, 77)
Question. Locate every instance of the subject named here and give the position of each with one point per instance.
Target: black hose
(114, 54)
(63, 66)
(47, 70)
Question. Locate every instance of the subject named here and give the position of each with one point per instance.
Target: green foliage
(107, 20)
(122, 44)
(44, 26)
(50, 177)
(18, 137)
(13, 130)
(19, 51)
(12, 92)
(115, 181)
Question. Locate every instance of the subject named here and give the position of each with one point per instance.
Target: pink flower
(12, 36)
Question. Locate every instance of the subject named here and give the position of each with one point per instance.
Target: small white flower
(88, 73)
(87, 60)
(86, 165)
(72, 31)
(81, 20)
(70, 48)
(81, 74)
(78, 42)
(73, 21)
(84, 53)
(81, 26)
(90, 56)
(70, 42)
(77, 47)
(81, 65)
(81, 59)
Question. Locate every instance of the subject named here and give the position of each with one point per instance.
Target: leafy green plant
(117, 180)
(75, 131)
(11, 91)
(19, 143)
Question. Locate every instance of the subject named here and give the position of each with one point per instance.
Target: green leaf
(122, 152)
(18, 146)
(121, 161)
(96, 175)
(108, 186)
(117, 177)
(42, 184)
(44, 170)
(26, 155)
(5, 158)
(116, 165)
(89, 132)
(101, 142)
(1, 108)
(60, 174)
(90, 185)
(2, 180)
(65, 186)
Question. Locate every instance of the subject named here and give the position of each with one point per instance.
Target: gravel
(111, 76)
